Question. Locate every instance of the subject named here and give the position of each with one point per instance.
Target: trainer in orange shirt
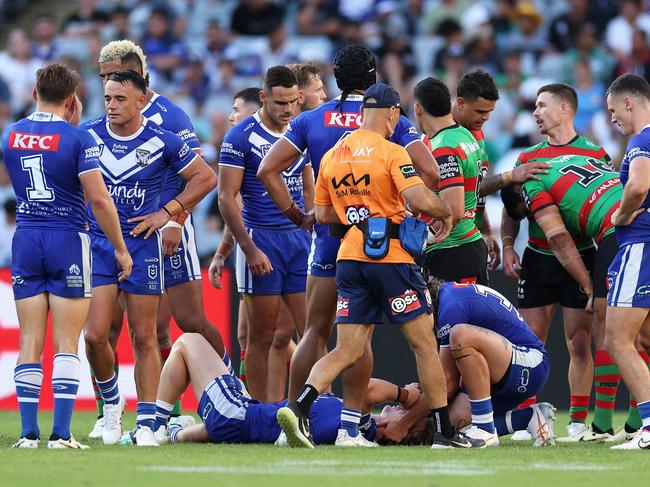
(361, 185)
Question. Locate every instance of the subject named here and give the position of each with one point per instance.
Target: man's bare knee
(94, 340)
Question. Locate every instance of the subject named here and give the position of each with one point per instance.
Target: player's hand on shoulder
(148, 224)
(511, 263)
(216, 270)
(125, 263)
(523, 173)
(258, 262)
(171, 238)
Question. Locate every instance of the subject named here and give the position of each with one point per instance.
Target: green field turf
(511, 464)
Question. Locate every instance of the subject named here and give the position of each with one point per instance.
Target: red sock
(528, 402)
(578, 409)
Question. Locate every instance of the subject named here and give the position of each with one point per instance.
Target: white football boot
(69, 444)
(96, 432)
(145, 437)
(112, 430)
(641, 441)
(476, 433)
(540, 425)
(344, 439)
(26, 443)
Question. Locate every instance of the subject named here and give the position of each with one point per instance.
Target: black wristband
(167, 211)
(182, 205)
(399, 393)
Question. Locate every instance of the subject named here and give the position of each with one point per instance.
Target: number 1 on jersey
(38, 191)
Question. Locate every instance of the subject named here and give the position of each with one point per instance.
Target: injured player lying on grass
(230, 416)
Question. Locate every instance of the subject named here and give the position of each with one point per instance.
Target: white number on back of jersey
(39, 190)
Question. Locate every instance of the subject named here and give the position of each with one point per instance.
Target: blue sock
(482, 416)
(515, 420)
(146, 415)
(109, 390)
(65, 384)
(228, 363)
(644, 412)
(28, 379)
(350, 419)
(173, 433)
(163, 413)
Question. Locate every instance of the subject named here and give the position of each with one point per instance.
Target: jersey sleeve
(182, 126)
(401, 169)
(536, 196)
(405, 132)
(88, 155)
(639, 146)
(451, 168)
(233, 150)
(179, 154)
(296, 133)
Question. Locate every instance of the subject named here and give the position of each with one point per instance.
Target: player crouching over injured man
(485, 342)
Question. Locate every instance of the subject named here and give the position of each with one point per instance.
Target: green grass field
(511, 464)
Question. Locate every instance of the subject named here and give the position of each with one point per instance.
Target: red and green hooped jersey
(586, 190)
(485, 166)
(458, 156)
(544, 152)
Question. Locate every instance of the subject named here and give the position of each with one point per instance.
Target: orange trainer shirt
(362, 176)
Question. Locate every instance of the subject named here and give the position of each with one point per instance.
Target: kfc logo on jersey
(342, 307)
(345, 120)
(40, 142)
(404, 303)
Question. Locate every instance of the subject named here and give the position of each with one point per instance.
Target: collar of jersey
(257, 117)
(44, 117)
(153, 98)
(128, 137)
(351, 97)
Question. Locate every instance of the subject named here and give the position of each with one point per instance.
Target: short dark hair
(477, 84)
(630, 84)
(56, 82)
(511, 199)
(433, 95)
(279, 76)
(249, 95)
(304, 72)
(125, 76)
(562, 91)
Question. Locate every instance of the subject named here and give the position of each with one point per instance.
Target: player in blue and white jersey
(317, 131)
(628, 101)
(231, 416)
(134, 156)
(182, 270)
(485, 342)
(51, 163)
(272, 264)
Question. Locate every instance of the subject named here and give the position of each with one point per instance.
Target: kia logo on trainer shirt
(349, 180)
(344, 120)
(41, 142)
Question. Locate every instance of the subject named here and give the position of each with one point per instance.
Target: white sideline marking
(334, 468)
(365, 468)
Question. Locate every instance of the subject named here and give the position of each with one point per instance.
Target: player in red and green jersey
(476, 97)
(579, 196)
(543, 281)
(462, 256)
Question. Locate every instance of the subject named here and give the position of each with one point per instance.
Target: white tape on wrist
(172, 224)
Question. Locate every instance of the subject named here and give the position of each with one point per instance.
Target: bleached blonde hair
(118, 50)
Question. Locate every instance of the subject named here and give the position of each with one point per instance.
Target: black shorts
(544, 281)
(465, 263)
(607, 250)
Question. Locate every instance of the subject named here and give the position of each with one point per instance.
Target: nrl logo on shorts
(74, 269)
(152, 271)
(142, 157)
(175, 261)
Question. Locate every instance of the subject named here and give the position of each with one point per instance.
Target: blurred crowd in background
(200, 52)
